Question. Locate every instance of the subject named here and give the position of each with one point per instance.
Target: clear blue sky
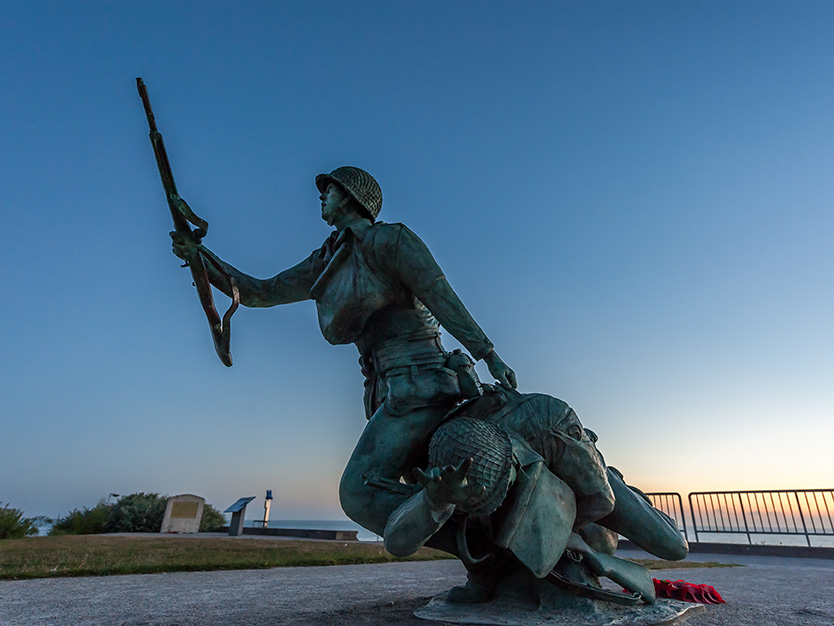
(634, 199)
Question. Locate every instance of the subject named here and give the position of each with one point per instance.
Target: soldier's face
(331, 203)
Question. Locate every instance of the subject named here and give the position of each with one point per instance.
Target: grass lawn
(102, 555)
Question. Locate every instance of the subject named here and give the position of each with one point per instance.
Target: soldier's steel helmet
(491, 452)
(360, 185)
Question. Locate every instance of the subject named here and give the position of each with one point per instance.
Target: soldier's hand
(500, 371)
(183, 245)
(447, 485)
(185, 210)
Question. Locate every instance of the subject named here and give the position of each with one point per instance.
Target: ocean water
(824, 541)
(361, 533)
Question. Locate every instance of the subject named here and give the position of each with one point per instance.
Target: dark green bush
(211, 520)
(14, 526)
(83, 522)
(137, 513)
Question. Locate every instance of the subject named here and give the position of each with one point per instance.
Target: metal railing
(671, 504)
(800, 512)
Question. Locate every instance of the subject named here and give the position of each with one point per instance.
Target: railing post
(744, 517)
(827, 511)
(683, 514)
(692, 513)
(802, 517)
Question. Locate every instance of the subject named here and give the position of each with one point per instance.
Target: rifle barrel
(143, 93)
(162, 163)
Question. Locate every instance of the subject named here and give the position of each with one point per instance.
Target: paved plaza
(767, 591)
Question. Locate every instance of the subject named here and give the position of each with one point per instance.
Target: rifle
(633, 576)
(182, 216)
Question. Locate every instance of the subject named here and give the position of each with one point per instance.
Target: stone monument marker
(183, 514)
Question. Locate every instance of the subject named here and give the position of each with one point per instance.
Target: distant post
(267, 503)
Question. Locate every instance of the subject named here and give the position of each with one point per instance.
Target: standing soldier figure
(376, 285)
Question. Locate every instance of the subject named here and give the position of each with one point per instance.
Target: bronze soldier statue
(376, 285)
(511, 483)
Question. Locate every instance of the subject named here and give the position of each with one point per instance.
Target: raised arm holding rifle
(183, 216)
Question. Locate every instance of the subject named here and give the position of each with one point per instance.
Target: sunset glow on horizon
(634, 201)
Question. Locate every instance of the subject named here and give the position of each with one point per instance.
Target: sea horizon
(365, 535)
(361, 533)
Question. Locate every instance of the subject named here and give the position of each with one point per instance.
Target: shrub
(85, 522)
(211, 520)
(137, 513)
(14, 526)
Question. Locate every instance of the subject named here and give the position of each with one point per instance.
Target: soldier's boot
(473, 592)
(481, 580)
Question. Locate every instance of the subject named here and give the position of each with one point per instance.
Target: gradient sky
(634, 199)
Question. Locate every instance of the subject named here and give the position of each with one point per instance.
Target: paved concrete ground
(769, 591)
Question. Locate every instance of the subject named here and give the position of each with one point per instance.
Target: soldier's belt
(408, 352)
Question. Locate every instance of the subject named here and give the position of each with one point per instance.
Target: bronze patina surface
(511, 483)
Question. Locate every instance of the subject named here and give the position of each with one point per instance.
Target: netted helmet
(491, 452)
(360, 185)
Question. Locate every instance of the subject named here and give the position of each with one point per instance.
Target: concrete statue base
(558, 608)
